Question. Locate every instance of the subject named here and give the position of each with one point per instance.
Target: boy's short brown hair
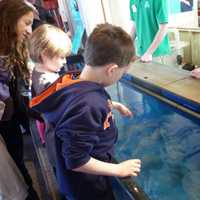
(109, 44)
(50, 40)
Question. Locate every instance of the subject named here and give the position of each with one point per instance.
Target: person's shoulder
(96, 99)
(35, 73)
(4, 72)
(2, 62)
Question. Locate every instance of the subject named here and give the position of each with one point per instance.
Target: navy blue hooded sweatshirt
(79, 114)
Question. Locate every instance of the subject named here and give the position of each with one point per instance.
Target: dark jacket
(5, 95)
(13, 92)
(80, 117)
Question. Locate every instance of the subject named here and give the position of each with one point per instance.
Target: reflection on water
(165, 139)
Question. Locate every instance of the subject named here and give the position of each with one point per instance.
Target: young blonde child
(48, 47)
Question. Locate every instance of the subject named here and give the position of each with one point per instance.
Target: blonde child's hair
(49, 40)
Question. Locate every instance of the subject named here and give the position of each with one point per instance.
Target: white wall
(185, 19)
(92, 13)
(119, 12)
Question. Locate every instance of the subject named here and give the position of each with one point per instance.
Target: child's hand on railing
(129, 168)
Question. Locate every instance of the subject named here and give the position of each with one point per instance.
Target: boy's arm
(122, 109)
(161, 10)
(78, 138)
(123, 169)
(147, 57)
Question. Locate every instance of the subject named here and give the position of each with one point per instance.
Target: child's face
(24, 26)
(53, 64)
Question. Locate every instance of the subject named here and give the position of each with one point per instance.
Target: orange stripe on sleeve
(62, 82)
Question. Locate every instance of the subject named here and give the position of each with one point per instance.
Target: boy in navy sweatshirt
(79, 112)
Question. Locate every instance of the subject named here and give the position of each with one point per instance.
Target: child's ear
(42, 56)
(111, 68)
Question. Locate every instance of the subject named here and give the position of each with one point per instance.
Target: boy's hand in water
(122, 109)
(129, 168)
